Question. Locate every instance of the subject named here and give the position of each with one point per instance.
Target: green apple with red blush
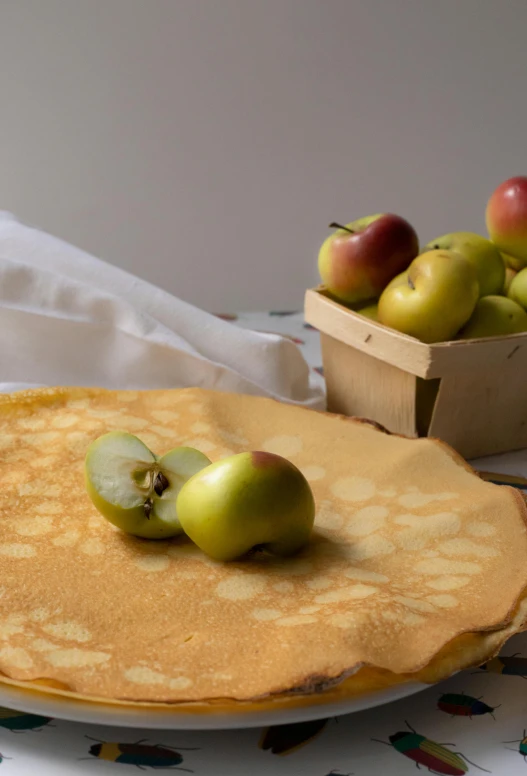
(506, 218)
(359, 259)
(252, 500)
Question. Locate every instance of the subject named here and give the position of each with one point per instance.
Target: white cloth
(68, 318)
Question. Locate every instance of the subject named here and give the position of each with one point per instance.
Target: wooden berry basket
(470, 393)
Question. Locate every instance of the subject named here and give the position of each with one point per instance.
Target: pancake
(417, 567)
(467, 650)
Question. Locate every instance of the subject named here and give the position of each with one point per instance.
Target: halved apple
(133, 488)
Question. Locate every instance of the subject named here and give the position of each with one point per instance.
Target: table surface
(488, 740)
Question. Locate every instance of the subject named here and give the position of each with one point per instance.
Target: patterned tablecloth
(474, 723)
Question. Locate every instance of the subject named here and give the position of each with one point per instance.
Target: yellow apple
(518, 288)
(485, 257)
(369, 311)
(437, 299)
(515, 264)
(399, 280)
(495, 316)
(510, 274)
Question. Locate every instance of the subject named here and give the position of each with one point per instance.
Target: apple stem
(334, 225)
(148, 508)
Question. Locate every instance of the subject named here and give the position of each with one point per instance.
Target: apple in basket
(359, 259)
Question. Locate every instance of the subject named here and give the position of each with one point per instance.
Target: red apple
(506, 218)
(358, 260)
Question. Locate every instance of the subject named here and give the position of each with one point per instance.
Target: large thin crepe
(417, 566)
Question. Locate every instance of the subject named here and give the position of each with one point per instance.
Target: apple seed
(136, 490)
(148, 507)
(161, 483)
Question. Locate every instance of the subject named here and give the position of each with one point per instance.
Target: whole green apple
(358, 260)
(369, 311)
(133, 488)
(437, 299)
(518, 288)
(510, 274)
(485, 257)
(495, 316)
(512, 263)
(506, 217)
(250, 500)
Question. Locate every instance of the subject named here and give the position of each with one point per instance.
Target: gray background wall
(206, 144)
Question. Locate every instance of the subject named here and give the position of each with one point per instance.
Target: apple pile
(458, 286)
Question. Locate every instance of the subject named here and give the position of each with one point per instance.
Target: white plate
(49, 705)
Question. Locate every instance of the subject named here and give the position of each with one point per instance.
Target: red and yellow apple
(358, 260)
(434, 299)
(506, 218)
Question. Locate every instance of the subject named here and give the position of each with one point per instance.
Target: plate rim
(96, 713)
